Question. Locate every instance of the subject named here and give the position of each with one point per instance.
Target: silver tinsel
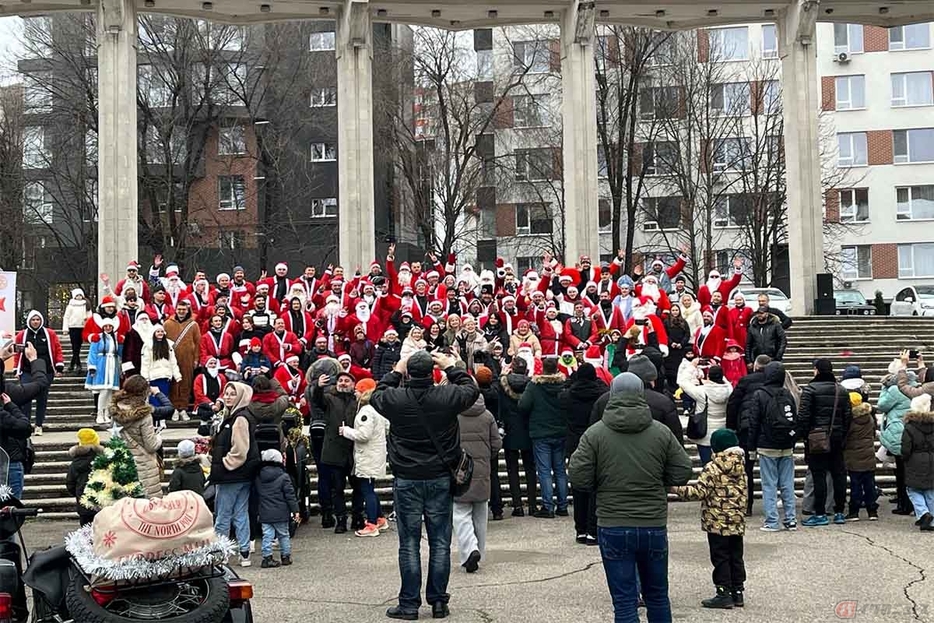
(81, 547)
(6, 492)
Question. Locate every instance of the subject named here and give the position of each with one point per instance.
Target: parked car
(777, 298)
(852, 303)
(914, 301)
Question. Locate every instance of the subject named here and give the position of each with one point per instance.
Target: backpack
(268, 436)
(779, 414)
(29, 457)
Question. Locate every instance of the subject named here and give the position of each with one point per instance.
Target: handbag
(462, 473)
(819, 438)
(697, 423)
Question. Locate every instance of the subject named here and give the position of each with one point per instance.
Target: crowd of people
(576, 373)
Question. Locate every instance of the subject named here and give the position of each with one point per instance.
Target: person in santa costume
(650, 287)
(526, 352)
(551, 330)
(362, 316)
(49, 349)
(733, 362)
(644, 316)
(175, 289)
(201, 299)
(208, 388)
(435, 314)
(594, 357)
(715, 283)
(739, 315)
(662, 275)
(347, 365)
(107, 310)
(279, 283)
(132, 278)
(281, 343)
(299, 321)
(509, 313)
(606, 316)
(160, 309)
(710, 339)
(218, 344)
(292, 380)
(524, 335)
(270, 304)
(579, 331)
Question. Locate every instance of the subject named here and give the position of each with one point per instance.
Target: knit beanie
(856, 399)
(271, 456)
(715, 374)
(851, 372)
(823, 366)
(186, 449)
(365, 385)
(921, 404)
(88, 437)
(723, 438)
(642, 366)
(483, 375)
(627, 383)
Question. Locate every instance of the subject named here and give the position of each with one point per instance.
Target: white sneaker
(185, 416)
(245, 561)
(38, 431)
(100, 419)
(175, 416)
(252, 547)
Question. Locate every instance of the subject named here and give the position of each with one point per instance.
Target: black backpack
(779, 414)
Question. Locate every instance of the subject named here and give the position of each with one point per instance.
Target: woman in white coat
(691, 310)
(710, 394)
(368, 434)
(76, 314)
(158, 364)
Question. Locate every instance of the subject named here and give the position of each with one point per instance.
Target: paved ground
(536, 572)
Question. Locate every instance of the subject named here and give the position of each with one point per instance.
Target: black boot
(341, 525)
(269, 562)
(286, 560)
(327, 520)
(927, 522)
(737, 594)
(518, 512)
(723, 600)
(357, 523)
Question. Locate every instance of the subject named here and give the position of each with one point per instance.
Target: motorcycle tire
(82, 606)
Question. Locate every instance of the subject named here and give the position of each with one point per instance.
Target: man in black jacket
(424, 448)
(825, 404)
(15, 428)
(765, 336)
(736, 409)
(763, 300)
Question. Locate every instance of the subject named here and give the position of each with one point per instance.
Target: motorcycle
(63, 593)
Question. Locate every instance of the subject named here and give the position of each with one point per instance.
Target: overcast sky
(10, 28)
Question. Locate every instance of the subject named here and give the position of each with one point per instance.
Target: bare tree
(11, 175)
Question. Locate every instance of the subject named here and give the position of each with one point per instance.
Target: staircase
(870, 342)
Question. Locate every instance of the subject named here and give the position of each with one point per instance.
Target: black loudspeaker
(824, 286)
(825, 307)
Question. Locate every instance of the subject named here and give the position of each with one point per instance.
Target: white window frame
(738, 164)
(659, 167)
(848, 199)
(769, 51)
(899, 36)
(715, 38)
(723, 211)
(35, 155)
(323, 152)
(154, 88)
(154, 146)
(657, 96)
(603, 169)
(228, 80)
(530, 107)
(527, 229)
(735, 99)
(526, 173)
(772, 96)
(535, 54)
(231, 202)
(906, 259)
(926, 138)
(852, 140)
(485, 65)
(323, 97)
(35, 194)
(901, 93)
(324, 207)
(854, 39)
(230, 240)
(650, 207)
(854, 88)
(231, 140)
(322, 41)
(36, 97)
(848, 265)
(904, 208)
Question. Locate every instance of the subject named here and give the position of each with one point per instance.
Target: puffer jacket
(277, 501)
(480, 438)
(540, 403)
(76, 314)
(721, 488)
(511, 387)
(860, 451)
(385, 358)
(578, 400)
(336, 409)
(80, 469)
(895, 405)
(712, 396)
(766, 338)
(152, 369)
(918, 450)
(140, 436)
(368, 435)
(759, 430)
(816, 409)
(925, 386)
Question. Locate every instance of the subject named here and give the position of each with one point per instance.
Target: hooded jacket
(860, 452)
(80, 469)
(277, 501)
(46, 342)
(630, 460)
(516, 425)
(895, 405)
(336, 409)
(577, 400)
(134, 414)
(187, 475)
(739, 405)
(368, 435)
(479, 436)
(76, 312)
(386, 357)
(721, 488)
(15, 430)
(918, 450)
(759, 433)
(541, 405)
(816, 409)
(765, 338)
(235, 453)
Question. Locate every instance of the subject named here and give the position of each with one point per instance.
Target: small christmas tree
(113, 477)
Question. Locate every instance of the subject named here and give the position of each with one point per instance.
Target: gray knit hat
(642, 366)
(627, 383)
(186, 449)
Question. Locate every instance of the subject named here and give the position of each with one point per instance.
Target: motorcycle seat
(48, 574)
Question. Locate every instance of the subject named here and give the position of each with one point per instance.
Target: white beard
(363, 313)
(332, 309)
(213, 372)
(369, 298)
(651, 290)
(713, 285)
(529, 359)
(404, 279)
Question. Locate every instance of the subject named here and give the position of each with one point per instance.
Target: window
(231, 192)
(916, 260)
(38, 35)
(534, 56)
(661, 213)
(856, 262)
(321, 41)
(659, 158)
(164, 199)
(731, 211)
(529, 112)
(730, 99)
(322, 97)
(321, 208)
(153, 87)
(231, 141)
(914, 203)
(914, 145)
(37, 206)
(661, 48)
(769, 41)
(851, 92)
(484, 64)
(725, 258)
(854, 205)
(731, 154)
(851, 149)
(527, 263)
(534, 165)
(34, 154)
(36, 94)
(155, 33)
(231, 240)
(157, 144)
(604, 215)
(847, 38)
(729, 44)
(772, 96)
(602, 167)
(659, 103)
(533, 219)
(911, 37)
(323, 152)
(912, 89)
(228, 85)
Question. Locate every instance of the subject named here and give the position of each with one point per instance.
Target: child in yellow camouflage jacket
(721, 489)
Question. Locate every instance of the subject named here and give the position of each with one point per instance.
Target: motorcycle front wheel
(201, 600)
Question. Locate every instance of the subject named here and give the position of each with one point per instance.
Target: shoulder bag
(819, 438)
(697, 422)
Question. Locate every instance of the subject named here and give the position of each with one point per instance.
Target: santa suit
(303, 326)
(534, 363)
(510, 319)
(721, 318)
(710, 345)
(278, 286)
(93, 325)
(221, 348)
(160, 312)
(140, 285)
(372, 327)
(200, 304)
(724, 288)
(52, 343)
(739, 323)
(662, 303)
(579, 330)
(604, 322)
(608, 285)
(293, 384)
(278, 347)
(330, 326)
(551, 333)
(175, 294)
(657, 325)
(236, 291)
(201, 389)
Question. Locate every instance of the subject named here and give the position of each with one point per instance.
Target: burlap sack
(153, 529)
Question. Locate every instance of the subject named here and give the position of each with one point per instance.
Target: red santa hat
(707, 309)
(525, 346)
(108, 300)
(210, 360)
(405, 267)
(282, 265)
(221, 276)
(113, 323)
(171, 270)
(432, 273)
(594, 356)
(650, 279)
(254, 342)
(591, 284)
(567, 351)
(343, 357)
(132, 265)
(375, 264)
(367, 285)
(520, 324)
(508, 298)
(435, 303)
(584, 258)
(565, 276)
(390, 331)
(550, 305)
(292, 360)
(421, 282)
(406, 312)
(332, 299)
(572, 288)
(531, 275)
(408, 290)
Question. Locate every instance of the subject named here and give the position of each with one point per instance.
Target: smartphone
(19, 348)
(703, 362)
(640, 321)
(913, 354)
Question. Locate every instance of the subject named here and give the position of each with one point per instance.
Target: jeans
(549, 457)
(278, 530)
(368, 489)
(923, 500)
(705, 454)
(414, 501)
(339, 477)
(231, 505)
(15, 478)
(807, 502)
(634, 554)
(778, 475)
(820, 465)
(863, 491)
(41, 399)
(531, 479)
(726, 556)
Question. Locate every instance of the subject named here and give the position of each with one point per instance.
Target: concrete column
(117, 237)
(355, 135)
(797, 37)
(579, 111)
